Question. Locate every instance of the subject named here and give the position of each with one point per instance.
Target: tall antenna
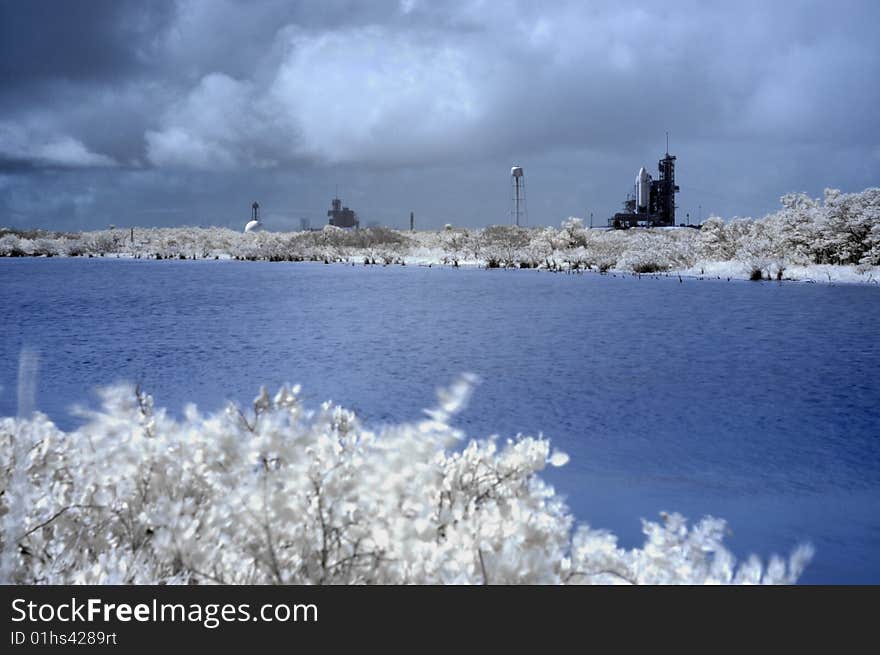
(667, 142)
(519, 195)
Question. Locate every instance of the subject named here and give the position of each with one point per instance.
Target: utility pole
(591, 220)
(412, 221)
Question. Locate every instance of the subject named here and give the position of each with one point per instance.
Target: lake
(755, 402)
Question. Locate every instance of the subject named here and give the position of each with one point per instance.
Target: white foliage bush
(652, 251)
(287, 495)
(840, 229)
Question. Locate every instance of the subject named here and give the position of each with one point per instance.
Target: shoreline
(828, 274)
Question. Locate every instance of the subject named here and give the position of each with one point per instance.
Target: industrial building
(342, 216)
(653, 201)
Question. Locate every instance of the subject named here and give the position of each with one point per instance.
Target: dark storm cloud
(425, 105)
(97, 40)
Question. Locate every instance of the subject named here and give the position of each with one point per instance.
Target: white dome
(253, 226)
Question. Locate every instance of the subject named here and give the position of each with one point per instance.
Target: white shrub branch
(288, 495)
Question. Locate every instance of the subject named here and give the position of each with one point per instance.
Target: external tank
(643, 189)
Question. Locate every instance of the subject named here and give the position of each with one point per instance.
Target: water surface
(757, 402)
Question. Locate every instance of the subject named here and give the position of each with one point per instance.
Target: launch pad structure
(653, 202)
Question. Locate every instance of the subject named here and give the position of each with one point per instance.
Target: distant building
(254, 225)
(342, 216)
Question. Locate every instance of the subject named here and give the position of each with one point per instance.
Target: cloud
(387, 97)
(484, 79)
(358, 95)
(215, 127)
(22, 148)
(374, 95)
(105, 39)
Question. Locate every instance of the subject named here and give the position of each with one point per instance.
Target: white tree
(872, 253)
(715, 241)
(846, 225)
(796, 227)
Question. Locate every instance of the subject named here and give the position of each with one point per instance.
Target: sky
(183, 112)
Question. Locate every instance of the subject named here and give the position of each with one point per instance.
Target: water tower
(518, 183)
(254, 225)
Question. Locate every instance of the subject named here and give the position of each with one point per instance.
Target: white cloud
(365, 94)
(210, 129)
(370, 94)
(477, 79)
(23, 144)
(68, 152)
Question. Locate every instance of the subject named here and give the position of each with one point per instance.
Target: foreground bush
(286, 495)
